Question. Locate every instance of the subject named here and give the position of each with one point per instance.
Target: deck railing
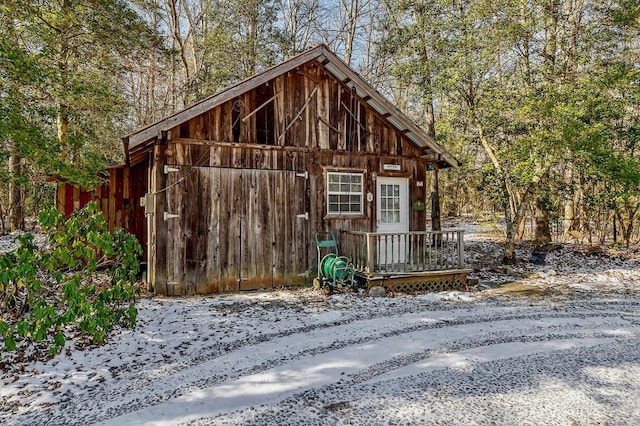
(404, 252)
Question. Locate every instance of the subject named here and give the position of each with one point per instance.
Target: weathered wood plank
(138, 177)
(112, 197)
(104, 201)
(256, 235)
(60, 197)
(119, 195)
(229, 210)
(323, 123)
(278, 108)
(174, 227)
(299, 267)
(226, 121)
(158, 265)
(125, 183)
(371, 131)
(191, 208)
(217, 132)
(213, 265)
(279, 234)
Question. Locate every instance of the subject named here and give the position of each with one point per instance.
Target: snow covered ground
(532, 344)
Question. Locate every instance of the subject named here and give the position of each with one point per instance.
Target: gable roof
(332, 64)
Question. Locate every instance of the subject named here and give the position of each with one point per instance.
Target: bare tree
(300, 19)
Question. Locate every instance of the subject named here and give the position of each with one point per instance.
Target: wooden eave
(145, 137)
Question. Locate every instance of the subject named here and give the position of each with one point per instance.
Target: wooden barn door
(272, 235)
(235, 229)
(291, 228)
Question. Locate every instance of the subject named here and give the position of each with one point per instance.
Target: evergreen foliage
(80, 283)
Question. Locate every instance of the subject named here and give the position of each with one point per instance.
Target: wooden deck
(408, 261)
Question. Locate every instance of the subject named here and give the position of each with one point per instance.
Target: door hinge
(304, 174)
(304, 216)
(169, 169)
(168, 216)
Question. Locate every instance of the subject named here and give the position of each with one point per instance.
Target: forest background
(539, 99)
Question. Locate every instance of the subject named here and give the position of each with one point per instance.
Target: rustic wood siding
(118, 197)
(317, 111)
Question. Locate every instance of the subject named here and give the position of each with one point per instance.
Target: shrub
(81, 281)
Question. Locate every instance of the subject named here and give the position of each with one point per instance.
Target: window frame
(360, 193)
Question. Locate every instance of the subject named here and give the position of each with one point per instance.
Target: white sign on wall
(391, 167)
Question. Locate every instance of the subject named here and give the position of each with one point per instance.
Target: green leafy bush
(82, 282)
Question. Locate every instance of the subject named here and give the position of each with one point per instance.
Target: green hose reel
(335, 267)
(334, 271)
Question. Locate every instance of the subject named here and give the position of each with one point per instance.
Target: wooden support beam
(354, 117)
(311, 95)
(328, 124)
(264, 104)
(309, 76)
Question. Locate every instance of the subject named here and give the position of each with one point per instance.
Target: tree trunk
(509, 257)
(522, 228)
(511, 215)
(252, 40)
(543, 231)
(430, 124)
(571, 220)
(551, 11)
(16, 211)
(351, 10)
(62, 124)
(627, 228)
(430, 127)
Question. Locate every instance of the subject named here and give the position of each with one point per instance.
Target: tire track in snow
(585, 381)
(508, 331)
(290, 382)
(361, 328)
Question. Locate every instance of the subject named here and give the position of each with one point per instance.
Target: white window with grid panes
(344, 193)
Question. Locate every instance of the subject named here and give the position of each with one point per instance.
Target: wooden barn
(229, 193)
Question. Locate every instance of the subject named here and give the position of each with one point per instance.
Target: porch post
(461, 249)
(370, 249)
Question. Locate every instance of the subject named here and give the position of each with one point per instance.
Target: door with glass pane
(393, 221)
